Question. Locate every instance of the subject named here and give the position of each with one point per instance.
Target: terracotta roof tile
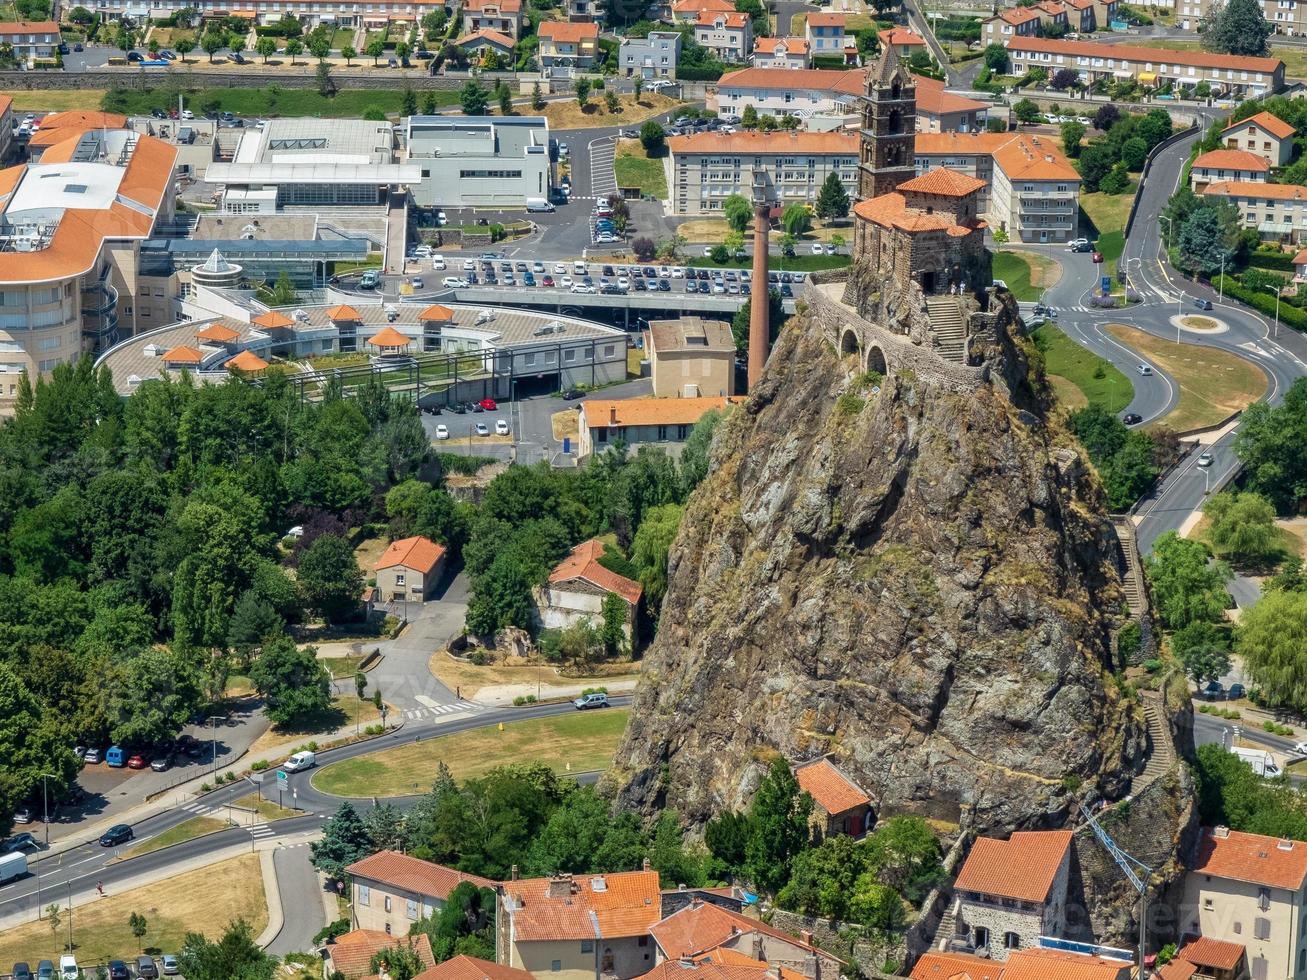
(701, 927)
(901, 36)
(603, 413)
(338, 314)
(1022, 867)
(1029, 158)
(1216, 953)
(1300, 258)
(1274, 125)
(1254, 858)
(1018, 15)
(389, 337)
(892, 211)
(1232, 160)
(410, 873)
(728, 18)
(272, 320)
(472, 968)
(29, 27)
(217, 333)
(564, 31)
(183, 355)
(436, 312)
(1177, 970)
(684, 7)
(493, 37)
(83, 119)
(583, 563)
(768, 45)
(351, 953)
(947, 966)
(1257, 188)
(944, 182)
(933, 100)
(1056, 964)
(626, 903)
(1118, 52)
(829, 788)
(246, 361)
(717, 966)
(849, 82)
(504, 6)
(825, 19)
(420, 554)
(793, 141)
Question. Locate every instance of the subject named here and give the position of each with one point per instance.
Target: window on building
(365, 894)
(555, 966)
(399, 578)
(1261, 928)
(980, 939)
(1264, 894)
(587, 945)
(387, 903)
(412, 910)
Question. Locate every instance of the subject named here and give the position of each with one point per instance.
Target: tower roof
(945, 182)
(887, 65)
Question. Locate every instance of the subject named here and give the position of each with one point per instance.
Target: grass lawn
(1025, 273)
(633, 357)
(267, 809)
(1108, 213)
(238, 685)
(263, 102)
(584, 739)
(204, 900)
(342, 667)
(567, 114)
(635, 168)
(56, 100)
(459, 674)
(1213, 383)
(567, 423)
(369, 551)
(188, 830)
(1072, 368)
(342, 714)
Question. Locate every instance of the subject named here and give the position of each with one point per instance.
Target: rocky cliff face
(913, 580)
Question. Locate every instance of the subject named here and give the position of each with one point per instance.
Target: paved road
(303, 914)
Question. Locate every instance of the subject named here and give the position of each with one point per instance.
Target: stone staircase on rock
(948, 325)
(1161, 752)
(946, 931)
(1132, 581)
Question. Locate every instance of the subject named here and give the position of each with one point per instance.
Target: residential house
(780, 52)
(1300, 267)
(839, 804)
(730, 897)
(31, 39)
(706, 168)
(1010, 23)
(584, 10)
(351, 954)
(570, 45)
(501, 16)
(690, 357)
(1026, 964)
(1222, 165)
(804, 93)
(1264, 134)
(636, 421)
(719, 965)
(905, 41)
(654, 56)
(390, 891)
(1249, 890)
(704, 928)
(579, 927)
(827, 36)
(472, 968)
(1053, 21)
(729, 36)
(1230, 75)
(475, 45)
(1209, 959)
(940, 111)
(577, 588)
(1277, 212)
(688, 11)
(998, 912)
(409, 570)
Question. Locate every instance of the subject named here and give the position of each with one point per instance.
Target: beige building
(1217, 166)
(707, 168)
(727, 35)
(70, 233)
(579, 927)
(1011, 892)
(780, 92)
(688, 11)
(1026, 964)
(906, 42)
(1249, 889)
(780, 52)
(578, 586)
(31, 39)
(1031, 191)
(1268, 136)
(940, 111)
(704, 930)
(409, 570)
(690, 357)
(827, 35)
(1277, 212)
(1010, 23)
(390, 891)
(571, 45)
(501, 16)
(636, 421)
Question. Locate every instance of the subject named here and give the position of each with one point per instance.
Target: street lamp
(1178, 304)
(1170, 226)
(45, 804)
(1276, 291)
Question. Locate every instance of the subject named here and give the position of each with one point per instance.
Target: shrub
(259, 765)
(1071, 782)
(330, 931)
(1275, 728)
(594, 690)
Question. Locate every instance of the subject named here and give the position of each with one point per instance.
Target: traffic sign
(282, 778)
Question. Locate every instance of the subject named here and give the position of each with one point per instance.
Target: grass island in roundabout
(576, 742)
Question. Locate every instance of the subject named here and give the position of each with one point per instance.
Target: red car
(488, 404)
(548, 280)
(137, 762)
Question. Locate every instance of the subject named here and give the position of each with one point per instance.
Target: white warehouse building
(478, 161)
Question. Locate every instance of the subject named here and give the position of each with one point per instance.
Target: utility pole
(45, 804)
(1135, 870)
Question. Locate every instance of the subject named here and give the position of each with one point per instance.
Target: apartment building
(502, 16)
(1277, 212)
(7, 125)
(568, 45)
(1049, 18)
(1268, 136)
(827, 35)
(70, 234)
(707, 168)
(1217, 166)
(780, 52)
(31, 39)
(1232, 75)
(690, 357)
(1250, 890)
(469, 161)
(729, 36)
(390, 891)
(778, 92)
(654, 56)
(940, 111)
(1032, 192)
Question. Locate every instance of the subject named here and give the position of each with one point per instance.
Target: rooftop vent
(74, 188)
(1284, 845)
(598, 884)
(301, 315)
(1221, 832)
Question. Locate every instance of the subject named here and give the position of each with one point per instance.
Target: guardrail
(1148, 165)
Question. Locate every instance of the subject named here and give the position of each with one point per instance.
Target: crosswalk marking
(261, 830)
(433, 708)
(198, 808)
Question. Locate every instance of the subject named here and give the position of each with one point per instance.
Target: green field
(265, 102)
(583, 740)
(1108, 213)
(635, 169)
(1096, 379)
(187, 830)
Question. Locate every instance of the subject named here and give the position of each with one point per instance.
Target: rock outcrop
(916, 579)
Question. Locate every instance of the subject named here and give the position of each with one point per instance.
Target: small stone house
(390, 891)
(1011, 892)
(409, 570)
(839, 805)
(577, 587)
(1203, 958)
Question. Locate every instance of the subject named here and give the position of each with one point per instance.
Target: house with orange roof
(1249, 890)
(485, 40)
(703, 931)
(1011, 892)
(636, 421)
(701, 185)
(727, 34)
(409, 570)
(570, 45)
(688, 11)
(1026, 964)
(1209, 959)
(805, 93)
(501, 16)
(472, 968)
(840, 806)
(1010, 23)
(827, 35)
(941, 111)
(1270, 137)
(1274, 211)
(579, 927)
(390, 891)
(1216, 166)
(780, 52)
(577, 587)
(907, 42)
(31, 39)
(351, 954)
(719, 965)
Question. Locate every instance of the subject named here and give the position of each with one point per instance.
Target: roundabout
(1203, 325)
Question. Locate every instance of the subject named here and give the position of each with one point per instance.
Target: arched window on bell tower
(896, 90)
(895, 121)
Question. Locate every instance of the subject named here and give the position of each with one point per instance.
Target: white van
(438, 263)
(12, 866)
(538, 204)
(300, 761)
(579, 268)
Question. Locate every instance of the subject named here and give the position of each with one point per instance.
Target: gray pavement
(403, 675)
(301, 900)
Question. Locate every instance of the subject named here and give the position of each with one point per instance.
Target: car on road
(161, 762)
(79, 46)
(1300, 748)
(137, 761)
(595, 699)
(1077, 244)
(1098, 257)
(68, 968)
(482, 429)
(118, 970)
(146, 969)
(170, 965)
(419, 283)
(454, 282)
(1203, 304)
(572, 394)
(23, 815)
(119, 833)
(501, 427)
(22, 971)
(816, 248)
(300, 761)
(1132, 418)
(442, 431)
(1145, 370)
(1205, 459)
(21, 842)
(135, 57)
(488, 404)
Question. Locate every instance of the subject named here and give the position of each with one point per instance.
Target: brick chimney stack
(759, 301)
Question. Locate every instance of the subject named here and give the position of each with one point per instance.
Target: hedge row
(1290, 316)
(1275, 261)
(692, 73)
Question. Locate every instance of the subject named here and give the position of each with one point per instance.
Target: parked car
(582, 288)
(22, 971)
(572, 394)
(92, 756)
(145, 968)
(23, 815)
(22, 842)
(1203, 304)
(135, 57)
(1076, 244)
(1234, 692)
(596, 699)
(162, 762)
(442, 431)
(1213, 691)
(300, 761)
(170, 966)
(501, 427)
(137, 761)
(68, 968)
(119, 833)
(488, 404)
(118, 970)
(453, 282)
(45, 970)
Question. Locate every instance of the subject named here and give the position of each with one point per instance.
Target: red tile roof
(351, 953)
(1232, 160)
(1120, 52)
(567, 32)
(1274, 125)
(420, 554)
(583, 563)
(218, 333)
(183, 355)
(413, 874)
(1056, 964)
(946, 183)
(768, 45)
(83, 119)
(1177, 970)
(701, 927)
(901, 37)
(729, 18)
(1257, 188)
(490, 37)
(626, 903)
(829, 788)
(1215, 953)
(1018, 15)
(246, 361)
(849, 82)
(892, 211)
(1022, 867)
(272, 320)
(389, 337)
(436, 312)
(339, 314)
(933, 100)
(1300, 258)
(29, 27)
(947, 966)
(1254, 858)
(472, 968)
(719, 965)
(823, 19)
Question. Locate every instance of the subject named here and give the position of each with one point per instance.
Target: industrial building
(478, 161)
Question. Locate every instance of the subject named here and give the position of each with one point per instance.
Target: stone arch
(876, 360)
(849, 342)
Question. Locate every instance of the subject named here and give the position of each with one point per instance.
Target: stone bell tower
(889, 123)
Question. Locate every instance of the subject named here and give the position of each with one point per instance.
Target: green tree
(320, 47)
(733, 242)
(473, 98)
(1202, 242)
(158, 692)
(1204, 651)
(796, 219)
(236, 44)
(294, 48)
(1117, 180)
(1134, 152)
(537, 97)
(137, 923)
(1272, 445)
(749, 117)
(1243, 529)
(581, 87)
(402, 50)
(904, 855)
(611, 101)
(652, 542)
(1186, 588)
(292, 682)
(832, 199)
(727, 837)
(184, 47)
(778, 827)
(408, 103)
(653, 138)
(823, 878)
(398, 962)
(612, 632)
(740, 322)
(330, 578)
(1027, 111)
(253, 620)
(234, 956)
(720, 254)
(212, 42)
(637, 85)
(344, 840)
(385, 827)
(266, 47)
(996, 59)
(505, 97)
(1096, 161)
(376, 47)
(1272, 643)
(1072, 135)
(738, 211)
(349, 54)
(1236, 27)
(33, 741)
